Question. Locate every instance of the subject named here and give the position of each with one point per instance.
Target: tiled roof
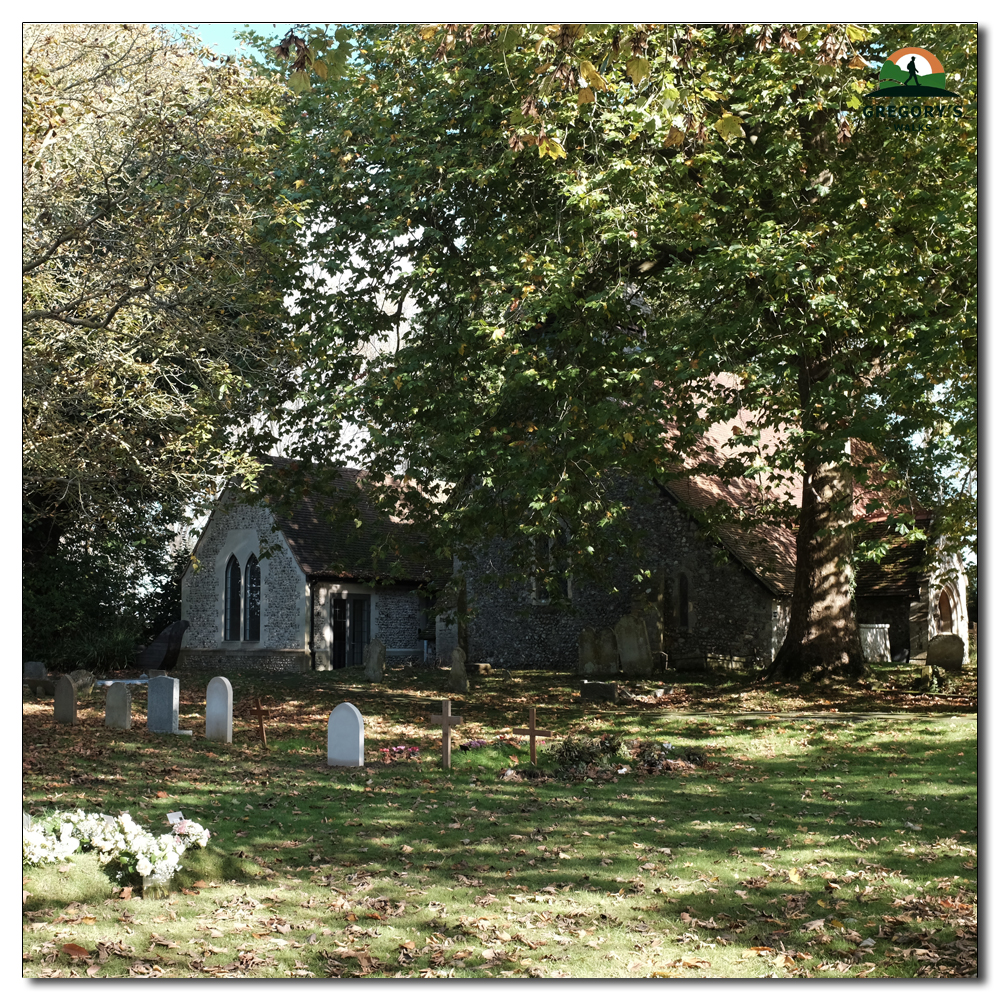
(321, 531)
(768, 550)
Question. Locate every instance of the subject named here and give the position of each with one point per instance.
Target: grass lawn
(792, 836)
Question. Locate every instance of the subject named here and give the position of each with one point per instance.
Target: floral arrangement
(391, 754)
(121, 842)
(472, 744)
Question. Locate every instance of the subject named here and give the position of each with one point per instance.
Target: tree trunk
(823, 638)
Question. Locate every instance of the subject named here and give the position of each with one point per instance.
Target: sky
(220, 35)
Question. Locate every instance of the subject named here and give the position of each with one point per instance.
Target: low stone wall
(234, 660)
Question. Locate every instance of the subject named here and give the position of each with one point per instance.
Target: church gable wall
(241, 530)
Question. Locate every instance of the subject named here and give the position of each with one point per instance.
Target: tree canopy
(152, 324)
(566, 237)
(150, 309)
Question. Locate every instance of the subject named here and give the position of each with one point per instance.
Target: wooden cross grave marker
(260, 714)
(532, 732)
(447, 720)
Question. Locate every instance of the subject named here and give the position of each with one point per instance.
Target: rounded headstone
(219, 710)
(946, 651)
(65, 701)
(345, 737)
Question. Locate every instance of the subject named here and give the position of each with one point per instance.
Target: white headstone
(118, 706)
(345, 737)
(65, 701)
(163, 704)
(219, 710)
(875, 643)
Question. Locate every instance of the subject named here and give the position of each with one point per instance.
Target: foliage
(548, 243)
(94, 601)
(151, 317)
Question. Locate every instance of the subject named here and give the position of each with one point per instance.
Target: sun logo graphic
(912, 72)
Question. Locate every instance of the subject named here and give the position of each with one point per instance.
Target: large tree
(566, 240)
(152, 317)
(151, 312)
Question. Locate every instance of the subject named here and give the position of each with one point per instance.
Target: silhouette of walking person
(911, 68)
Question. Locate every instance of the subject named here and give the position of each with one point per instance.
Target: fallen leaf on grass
(75, 950)
(162, 795)
(126, 893)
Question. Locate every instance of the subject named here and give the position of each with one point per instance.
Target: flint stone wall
(240, 529)
(732, 616)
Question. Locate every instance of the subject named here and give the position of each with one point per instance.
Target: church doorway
(350, 626)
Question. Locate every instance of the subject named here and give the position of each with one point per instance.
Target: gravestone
(607, 653)
(598, 691)
(946, 651)
(162, 652)
(118, 707)
(459, 677)
(65, 707)
(875, 643)
(83, 680)
(34, 670)
(163, 702)
(374, 660)
(219, 710)
(633, 646)
(345, 737)
(588, 656)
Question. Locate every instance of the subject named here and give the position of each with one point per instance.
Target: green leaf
(298, 82)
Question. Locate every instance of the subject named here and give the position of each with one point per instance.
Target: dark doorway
(338, 624)
(360, 628)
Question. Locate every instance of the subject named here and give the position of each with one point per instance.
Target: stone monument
(374, 659)
(345, 737)
(118, 707)
(219, 710)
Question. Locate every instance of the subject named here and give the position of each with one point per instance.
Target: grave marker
(588, 656)
(219, 710)
(163, 702)
(633, 646)
(374, 659)
(447, 720)
(34, 670)
(345, 737)
(532, 732)
(260, 713)
(459, 678)
(118, 706)
(65, 706)
(162, 705)
(607, 653)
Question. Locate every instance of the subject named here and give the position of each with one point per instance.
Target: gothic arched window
(251, 591)
(232, 616)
